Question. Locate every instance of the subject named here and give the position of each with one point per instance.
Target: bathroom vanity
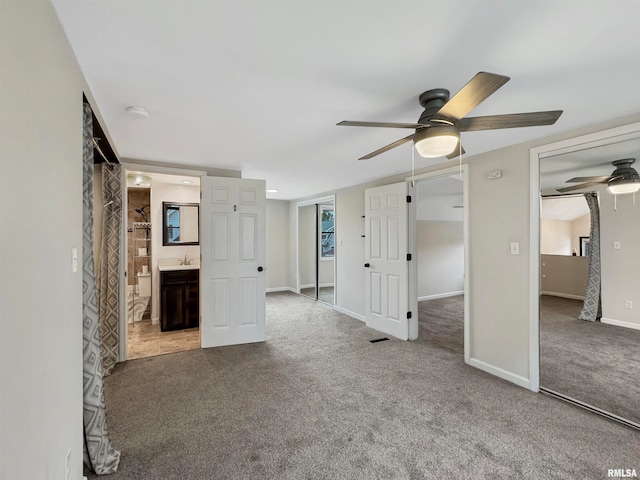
(179, 297)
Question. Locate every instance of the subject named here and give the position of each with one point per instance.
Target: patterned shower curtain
(109, 272)
(98, 453)
(592, 306)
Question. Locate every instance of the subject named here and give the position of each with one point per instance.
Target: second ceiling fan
(437, 132)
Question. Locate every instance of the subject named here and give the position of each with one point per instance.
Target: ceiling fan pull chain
(413, 166)
(460, 155)
(615, 202)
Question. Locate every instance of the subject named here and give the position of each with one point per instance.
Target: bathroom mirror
(180, 223)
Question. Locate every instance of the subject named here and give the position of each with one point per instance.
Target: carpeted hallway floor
(318, 401)
(593, 362)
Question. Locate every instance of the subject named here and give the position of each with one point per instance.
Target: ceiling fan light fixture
(138, 179)
(624, 185)
(437, 141)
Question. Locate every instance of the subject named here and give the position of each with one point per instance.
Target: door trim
(413, 266)
(151, 168)
(582, 142)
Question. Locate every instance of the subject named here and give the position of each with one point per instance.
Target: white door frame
(604, 137)
(413, 266)
(130, 166)
(314, 201)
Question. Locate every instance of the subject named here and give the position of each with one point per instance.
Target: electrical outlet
(74, 260)
(628, 304)
(67, 465)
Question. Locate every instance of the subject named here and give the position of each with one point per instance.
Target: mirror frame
(165, 233)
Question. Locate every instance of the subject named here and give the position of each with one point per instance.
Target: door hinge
(408, 314)
(408, 198)
(408, 257)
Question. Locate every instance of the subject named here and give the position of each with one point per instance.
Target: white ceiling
(564, 208)
(260, 85)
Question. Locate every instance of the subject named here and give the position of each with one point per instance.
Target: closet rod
(95, 144)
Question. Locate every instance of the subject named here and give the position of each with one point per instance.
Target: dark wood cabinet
(179, 299)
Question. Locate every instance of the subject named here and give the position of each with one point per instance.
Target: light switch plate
(515, 248)
(616, 245)
(74, 260)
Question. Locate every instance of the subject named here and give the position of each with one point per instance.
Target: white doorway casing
(605, 137)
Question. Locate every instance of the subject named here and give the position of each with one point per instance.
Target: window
(327, 229)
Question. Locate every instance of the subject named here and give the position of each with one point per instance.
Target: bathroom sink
(166, 268)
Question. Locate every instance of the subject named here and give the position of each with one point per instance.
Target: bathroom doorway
(163, 259)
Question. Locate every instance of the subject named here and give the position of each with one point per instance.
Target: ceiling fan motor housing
(432, 101)
(624, 170)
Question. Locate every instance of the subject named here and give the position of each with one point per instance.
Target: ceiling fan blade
(395, 144)
(478, 89)
(511, 120)
(590, 179)
(457, 152)
(577, 187)
(349, 123)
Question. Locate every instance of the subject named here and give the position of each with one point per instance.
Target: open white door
(232, 277)
(386, 260)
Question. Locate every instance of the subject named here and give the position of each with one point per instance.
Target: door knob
(366, 265)
(260, 269)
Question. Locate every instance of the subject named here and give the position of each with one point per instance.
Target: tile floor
(146, 340)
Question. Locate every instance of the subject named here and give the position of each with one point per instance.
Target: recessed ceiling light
(272, 190)
(187, 182)
(138, 112)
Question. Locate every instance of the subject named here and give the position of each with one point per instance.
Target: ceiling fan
(624, 179)
(437, 133)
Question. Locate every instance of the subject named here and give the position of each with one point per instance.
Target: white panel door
(232, 277)
(386, 260)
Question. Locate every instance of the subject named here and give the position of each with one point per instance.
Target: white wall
(580, 227)
(166, 192)
(620, 277)
(556, 237)
(440, 258)
(41, 90)
(277, 245)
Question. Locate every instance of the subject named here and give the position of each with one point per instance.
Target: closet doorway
(316, 249)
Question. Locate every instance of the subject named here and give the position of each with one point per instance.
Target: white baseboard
(355, 315)
(280, 289)
(441, 295)
(563, 295)
(324, 285)
(620, 323)
(155, 321)
(499, 372)
(309, 285)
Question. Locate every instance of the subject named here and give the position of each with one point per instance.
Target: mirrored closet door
(589, 285)
(316, 250)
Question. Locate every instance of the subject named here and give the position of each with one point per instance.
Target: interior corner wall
(440, 258)
(620, 279)
(41, 122)
(277, 233)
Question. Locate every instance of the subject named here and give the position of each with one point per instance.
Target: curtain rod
(95, 144)
(566, 195)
